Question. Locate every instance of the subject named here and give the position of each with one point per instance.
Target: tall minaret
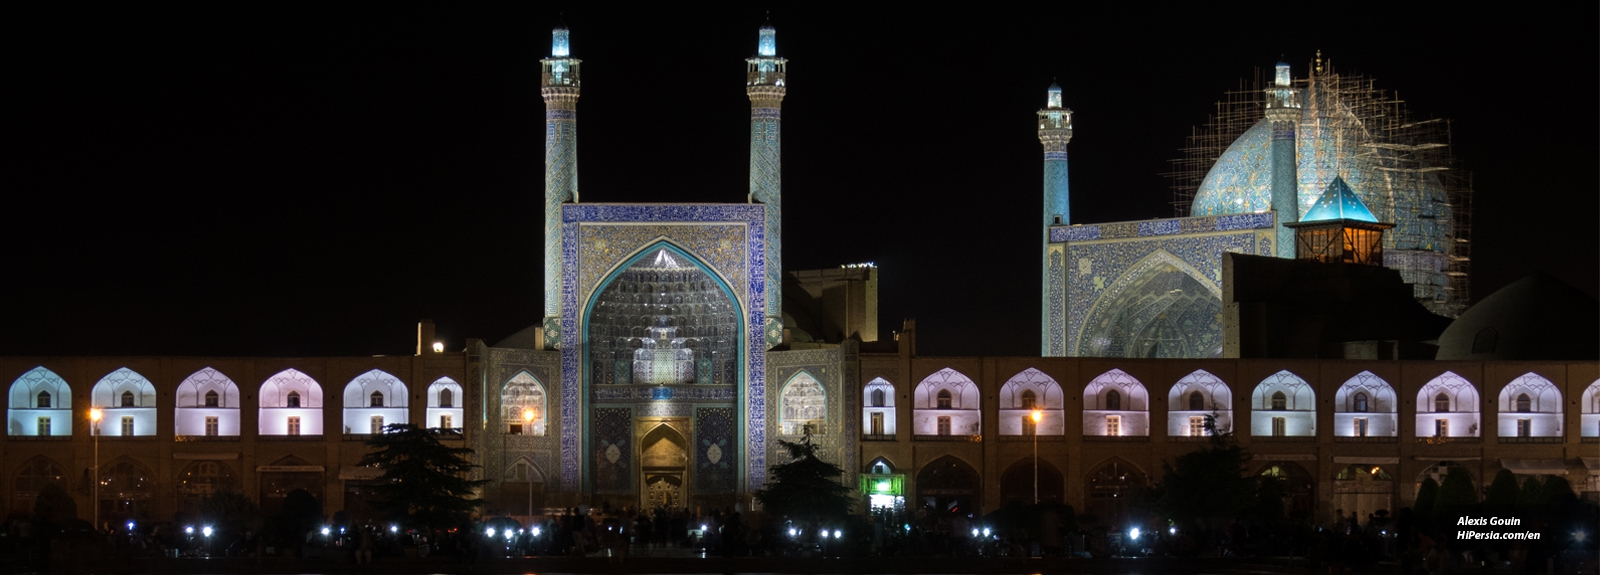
(1283, 110)
(1055, 130)
(765, 84)
(559, 85)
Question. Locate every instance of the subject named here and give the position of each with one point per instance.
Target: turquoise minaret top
(559, 84)
(764, 83)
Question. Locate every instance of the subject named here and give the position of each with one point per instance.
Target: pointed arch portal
(1161, 307)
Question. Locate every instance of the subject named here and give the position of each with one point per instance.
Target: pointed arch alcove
(372, 400)
(802, 404)
(1283, 405)
(291, 404)
(1195, 397)
(877, 411)
(1025, 392)
(207, 405)
(1530, 406)
(946, 403)
(40, 404)
(1116, 404)
(128, 404)
(1447, 406)
(1365, 406)
(1162, 307)
(445, 402)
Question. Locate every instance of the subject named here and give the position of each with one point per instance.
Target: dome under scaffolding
(1400, 168)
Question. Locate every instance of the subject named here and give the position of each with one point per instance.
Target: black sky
(312, 180)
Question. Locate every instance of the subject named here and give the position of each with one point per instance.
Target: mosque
(675, 352)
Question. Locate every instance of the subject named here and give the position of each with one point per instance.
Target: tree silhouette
(806, 489)
(424, 482)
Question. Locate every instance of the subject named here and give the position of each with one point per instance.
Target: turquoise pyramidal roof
(1339, 203)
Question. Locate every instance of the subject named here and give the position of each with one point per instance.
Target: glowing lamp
(527, 415)
(438, 347)
(985, 531)
(974, 532)
(1133, 534)
(206, 531)
(1038, 415)
(189, 530)
(326, 531)
(94, 415)
(130, 526)
(837, 533)
(394, 529)
(489, 532)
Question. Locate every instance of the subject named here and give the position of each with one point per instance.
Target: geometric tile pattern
(822, 366)
(560, 186)
(766, 186)
(715, 453)
(1100, 261)
(613, 449)
(707, 231)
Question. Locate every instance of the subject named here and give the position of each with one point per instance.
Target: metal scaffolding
(1405, 168)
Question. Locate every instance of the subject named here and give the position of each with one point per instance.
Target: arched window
(1197, 401)
(1028, 399)
(877, 398)
(44, 400)
(1441, 403)
(446, 398)
(803, 405)
(211, 399)
(944, 399)
(1280, 401)
(127, 399)
(1361, 402)
(293, 400)
(377, 399)
(1113, 400)
(1524, 404)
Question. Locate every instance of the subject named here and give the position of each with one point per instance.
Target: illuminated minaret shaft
(1283, 110)
(765, 85)
(559, 83)
(1055, 131)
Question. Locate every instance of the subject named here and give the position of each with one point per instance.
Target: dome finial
(1319, 61)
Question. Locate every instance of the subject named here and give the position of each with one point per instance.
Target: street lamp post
(527, 427)
(94, 429)
(1038, 415)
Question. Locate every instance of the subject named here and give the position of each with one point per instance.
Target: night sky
(312, 180)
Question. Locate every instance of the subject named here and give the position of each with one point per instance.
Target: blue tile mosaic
(731, 255)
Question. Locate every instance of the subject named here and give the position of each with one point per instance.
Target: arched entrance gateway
(1017, 483)
(663, 464)
(663, 356)
(948, 486)
(1364, 489)
(1109, 490)
(1296, 487)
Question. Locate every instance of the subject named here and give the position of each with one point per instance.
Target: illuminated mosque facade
(1154, 288)
(675, 352)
